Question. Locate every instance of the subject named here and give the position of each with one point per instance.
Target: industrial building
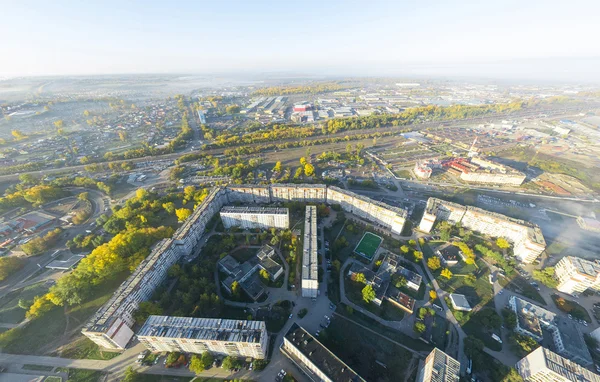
(575, 275)
(236, 338)
(563, 336)
(543, 365)
(255, 217)
(310, 266)
(246, 273)
(314, 359)
(439, 367)
(527, 238)
(479, 170)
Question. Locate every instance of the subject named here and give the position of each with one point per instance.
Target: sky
(346, 37)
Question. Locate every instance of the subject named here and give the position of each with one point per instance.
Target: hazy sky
(326, 36)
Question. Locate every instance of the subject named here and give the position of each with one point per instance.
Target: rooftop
(572, 339)
(320, 356)
(460, 301)
(584, 267)
(215, 329)
(542, 357)
(254, 210)
(310, 266)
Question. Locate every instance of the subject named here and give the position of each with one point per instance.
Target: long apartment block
(237, 338)
(255, 217)
(543, 365)
(527, 238)
(310, 266)
(439, 367)
(111, 326)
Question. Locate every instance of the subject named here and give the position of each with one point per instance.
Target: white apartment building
(575, 275)
(315, 360)
(310, 266)
(255, 217)
(308, 193)
(527, 238)
(237, 338)
(249, 194)
(542, 365)
(439, 367)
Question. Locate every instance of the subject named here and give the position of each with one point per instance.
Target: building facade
(255, 217)
(439, 367)
(527, 238)
(310, 266)
(542, 365)
(576, 275)
(315, 360)
(236, 338)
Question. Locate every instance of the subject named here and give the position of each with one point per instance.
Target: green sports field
(367, 246)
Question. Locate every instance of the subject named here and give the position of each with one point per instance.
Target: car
(569, 315)
(501, 291)
(291, 315)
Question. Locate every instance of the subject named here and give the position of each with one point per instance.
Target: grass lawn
(84, 348)
(53, 378)
(37, 367)
(368, 245)
(571, 307)
(81, 375)
(481, 292)
(10, 312)
(360, 349)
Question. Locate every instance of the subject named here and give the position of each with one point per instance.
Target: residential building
(527, 238)
(314, 359)
(246, 273)
(237, 338)
(439, 367)
(575, 275)
(543, 365)
(588, 224)
(310, 266)
(255, 217)
(530, 318)
(448, 254)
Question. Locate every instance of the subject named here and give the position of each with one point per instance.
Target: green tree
(399, 281)
(131, 375)
(83, 196)
(145, 310)
(473, 346)
(196, 365)
(417, 256)
(172, 357)
(360, 278)
(229, 363)
(169, 207)
(546, 276)
(207, 360)
(434, 263)
(510, 318)
(404, 249)
(232, 109)
(368, 294)
(419, 327)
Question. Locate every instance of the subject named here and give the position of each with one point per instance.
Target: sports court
(367, 246)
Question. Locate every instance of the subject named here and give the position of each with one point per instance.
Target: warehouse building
(310, 266)
(439, 367)
(576, 275)
(543, 365)
(255, 217)
(236, 338)
(314, 359)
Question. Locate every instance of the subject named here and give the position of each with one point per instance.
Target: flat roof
(572, 339)
(584, 267)
(460, 300)
(254, 210)
(320, 356)
(310, 266)
(215, 329)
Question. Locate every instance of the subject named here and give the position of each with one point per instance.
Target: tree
(169, 207)
(502, 243)
(360, 278)
(417, 256)
(419, 327)
(404, 249)
(196, 365)
(368, 294)
(229, 363)
(145, 310)
(446, 273)
(399, 281)
(131, 375)
(207, 360)
(412, 243)
(232, 109)
(172, 357)
(277, 168)
(298, 173)
(303, 161)
(9, 265)
(546, 276)
(421, 241)
(83, 196)
(434, 263)
(18, 135)
(309, 169)
(264, 275)
(510, 318)
(59, 124)
(473, 346)
(235, 288)
(183, 213)
(432, 295)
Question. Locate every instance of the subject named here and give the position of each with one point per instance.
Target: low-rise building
(314, 359)
(310, 266)
(237, 338)
(460, 302)
(448, 254)
(255, 217)
(576, 275)
(439, 367)
(543, 365)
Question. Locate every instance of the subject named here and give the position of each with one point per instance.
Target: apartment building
(310, 266)
(575, 275)
(527, 238)
(307, 193)
(439, 367)
(255, 217)
(237, 338)
(543, 365)
(249, 194)
(314, 359)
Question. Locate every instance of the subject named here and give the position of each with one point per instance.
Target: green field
(368, 245)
